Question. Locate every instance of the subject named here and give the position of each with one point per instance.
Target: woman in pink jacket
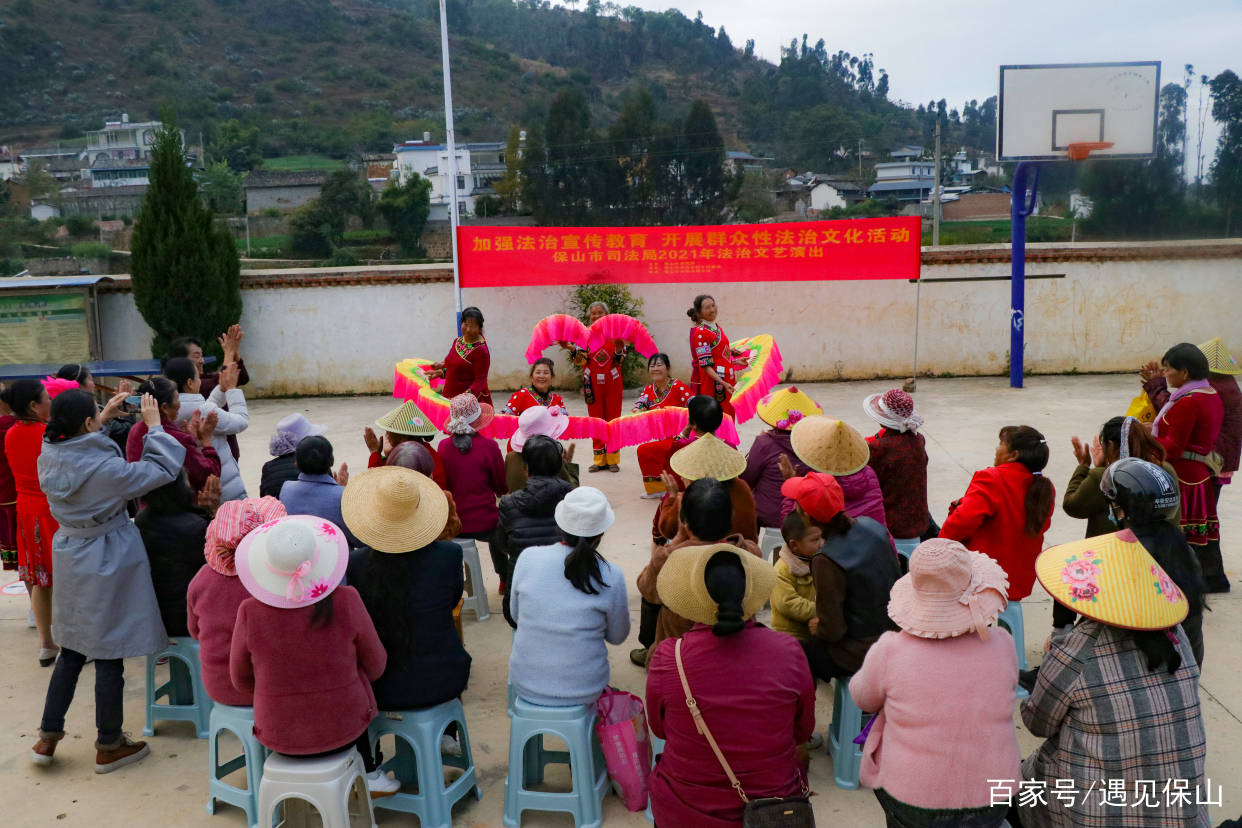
(304, 645)
(946, 666)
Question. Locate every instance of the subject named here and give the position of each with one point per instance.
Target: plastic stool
(417, 734)
(1011, 619)
(240, 722)
(847, 723)
(769, 541)
(906, 546)
(575, 725)
(331, 784)
(185, 678)
(476, 603)
(657, 747)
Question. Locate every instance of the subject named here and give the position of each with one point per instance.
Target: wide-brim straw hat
(682, 582)
(1114, 580)
(708, 456)
(784, 408)
(407, 419)
(293, 561)
(829, 446)
(1220, 361)
(949, 591)
(394, 509)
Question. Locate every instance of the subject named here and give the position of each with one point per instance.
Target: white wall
(1102, 316)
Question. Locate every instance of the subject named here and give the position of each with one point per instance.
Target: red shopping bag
(622, 731)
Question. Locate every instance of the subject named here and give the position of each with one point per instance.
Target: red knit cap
(818, 494)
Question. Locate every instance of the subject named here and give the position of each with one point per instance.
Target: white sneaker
(381, 784)
(449, 746)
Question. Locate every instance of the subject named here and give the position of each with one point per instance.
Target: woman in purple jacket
(780, 410)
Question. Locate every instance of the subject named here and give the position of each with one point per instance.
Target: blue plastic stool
(240, 722)
(575, 725)
(186, 678)
(906, 546)
(1011, 619)
(657, 747)
(847, 723)
(417, 734)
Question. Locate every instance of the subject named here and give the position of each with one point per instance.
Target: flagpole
(454, 218)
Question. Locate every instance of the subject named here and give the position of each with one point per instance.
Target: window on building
(461, 182)
(461, 208)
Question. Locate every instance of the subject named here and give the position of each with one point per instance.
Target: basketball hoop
(1079, 150)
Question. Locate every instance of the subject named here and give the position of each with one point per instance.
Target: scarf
(1174, 396)
(797, 567)
(233, 521)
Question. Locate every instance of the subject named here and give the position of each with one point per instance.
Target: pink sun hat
(539, 420)
(292, 562)
(949, 591)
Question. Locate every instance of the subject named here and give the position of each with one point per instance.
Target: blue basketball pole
(1021, 205)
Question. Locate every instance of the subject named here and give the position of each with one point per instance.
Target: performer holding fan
(601, 385)
(712, 359)
(663, 392)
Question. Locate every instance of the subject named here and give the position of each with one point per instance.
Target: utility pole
(936, 192)
(452, 156)
(860, 159)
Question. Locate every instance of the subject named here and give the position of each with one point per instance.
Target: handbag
(768, 812)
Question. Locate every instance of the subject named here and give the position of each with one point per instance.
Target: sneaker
(44, 750)
(449, 746)
(652, 495)
(638, 657)
(125, 752)
(381, 784)
(817, 742)
(613, 467)
(47, 656)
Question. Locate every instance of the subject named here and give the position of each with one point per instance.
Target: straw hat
(682, 582)
(893, 409)
(829, 446)
(783, 409)
(584, 513)
(293, 561)
(539, 420)
(1219, 359)
(394, 509)
(708, 456)
(1114, 580)
(949, 591)
(407, 419)
(467, 415)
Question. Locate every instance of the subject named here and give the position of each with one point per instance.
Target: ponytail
(70, 410)
(725, 579)
(582, 563)
(162, 388)
(20, 394)
(462, 442)
(1032, 451)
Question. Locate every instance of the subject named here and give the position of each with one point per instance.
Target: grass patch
(303, 162)
(1038, 229)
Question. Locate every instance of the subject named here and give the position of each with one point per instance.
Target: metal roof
(892, 186)
(18, 282)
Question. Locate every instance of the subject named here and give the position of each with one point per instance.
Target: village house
(479, 166)
(281, 190)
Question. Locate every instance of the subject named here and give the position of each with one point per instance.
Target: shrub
(79, 225)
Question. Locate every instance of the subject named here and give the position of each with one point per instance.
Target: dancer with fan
(468, 361)
(663, 392)
(601, 386)
(539, 392)
(713, 360)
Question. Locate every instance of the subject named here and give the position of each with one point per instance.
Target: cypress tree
(185, 271)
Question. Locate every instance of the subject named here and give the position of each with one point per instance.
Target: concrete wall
(1100, 308)
(280, 198)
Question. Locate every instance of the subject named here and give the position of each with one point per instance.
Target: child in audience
(793, 597)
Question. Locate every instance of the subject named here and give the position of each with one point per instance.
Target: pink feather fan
(558, 327)
(623, 327)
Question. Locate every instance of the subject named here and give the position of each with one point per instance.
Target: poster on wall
(43, 327)
(804, 251)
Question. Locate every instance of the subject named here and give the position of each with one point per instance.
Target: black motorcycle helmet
(1144, 491)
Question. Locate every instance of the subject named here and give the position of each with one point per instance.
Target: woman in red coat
(602, 387)
(712, 358)
(468, 361)
(1007, 508)
(539, 392)
(1187, 426)
(663, 392)
(8, 490)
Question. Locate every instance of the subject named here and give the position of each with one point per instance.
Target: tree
(509, 187)
(185, 271)
(1226, 91)
(236, 145)
(39, 182)
(222, 188)
(314, 230)
(345, 194)
(1171, 130)
(405, 208)
(707, 185)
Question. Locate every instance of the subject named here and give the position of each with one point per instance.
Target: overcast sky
(951, 48)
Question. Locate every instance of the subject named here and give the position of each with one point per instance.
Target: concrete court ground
(962, 418)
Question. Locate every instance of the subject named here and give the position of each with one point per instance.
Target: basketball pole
(1021, 205)
(454, 218)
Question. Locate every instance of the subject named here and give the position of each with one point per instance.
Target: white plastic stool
(769, 541)
(334, 785)
(476, 603)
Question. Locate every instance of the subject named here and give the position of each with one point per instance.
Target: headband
(1125, 436)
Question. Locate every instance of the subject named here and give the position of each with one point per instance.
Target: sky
(952, 49)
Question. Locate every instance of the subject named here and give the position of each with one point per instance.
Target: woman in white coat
(233, 419)
(104, 606)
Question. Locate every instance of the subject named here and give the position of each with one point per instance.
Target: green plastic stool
(240, 722)
(186, 678)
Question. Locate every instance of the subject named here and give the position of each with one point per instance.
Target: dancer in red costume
(712, 360)
(663, 392)
(468, 361)
(539, 392)
(602, 387)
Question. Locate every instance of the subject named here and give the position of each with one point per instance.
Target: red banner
(880, 248)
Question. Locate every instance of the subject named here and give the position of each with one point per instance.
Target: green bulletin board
(43, 327)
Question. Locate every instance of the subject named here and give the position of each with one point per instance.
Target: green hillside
(339, 77)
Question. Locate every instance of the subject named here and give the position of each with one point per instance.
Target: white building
(908, 180)
(479, 166)
(119, 154)
(8, 164)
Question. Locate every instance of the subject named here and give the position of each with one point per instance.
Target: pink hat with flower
(949, 591)
(539, 420)
(294, 561)
(467, 415)
(893, 409)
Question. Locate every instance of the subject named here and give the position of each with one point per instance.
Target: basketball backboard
(1044, 108)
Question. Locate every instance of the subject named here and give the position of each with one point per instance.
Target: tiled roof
(284, 178)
